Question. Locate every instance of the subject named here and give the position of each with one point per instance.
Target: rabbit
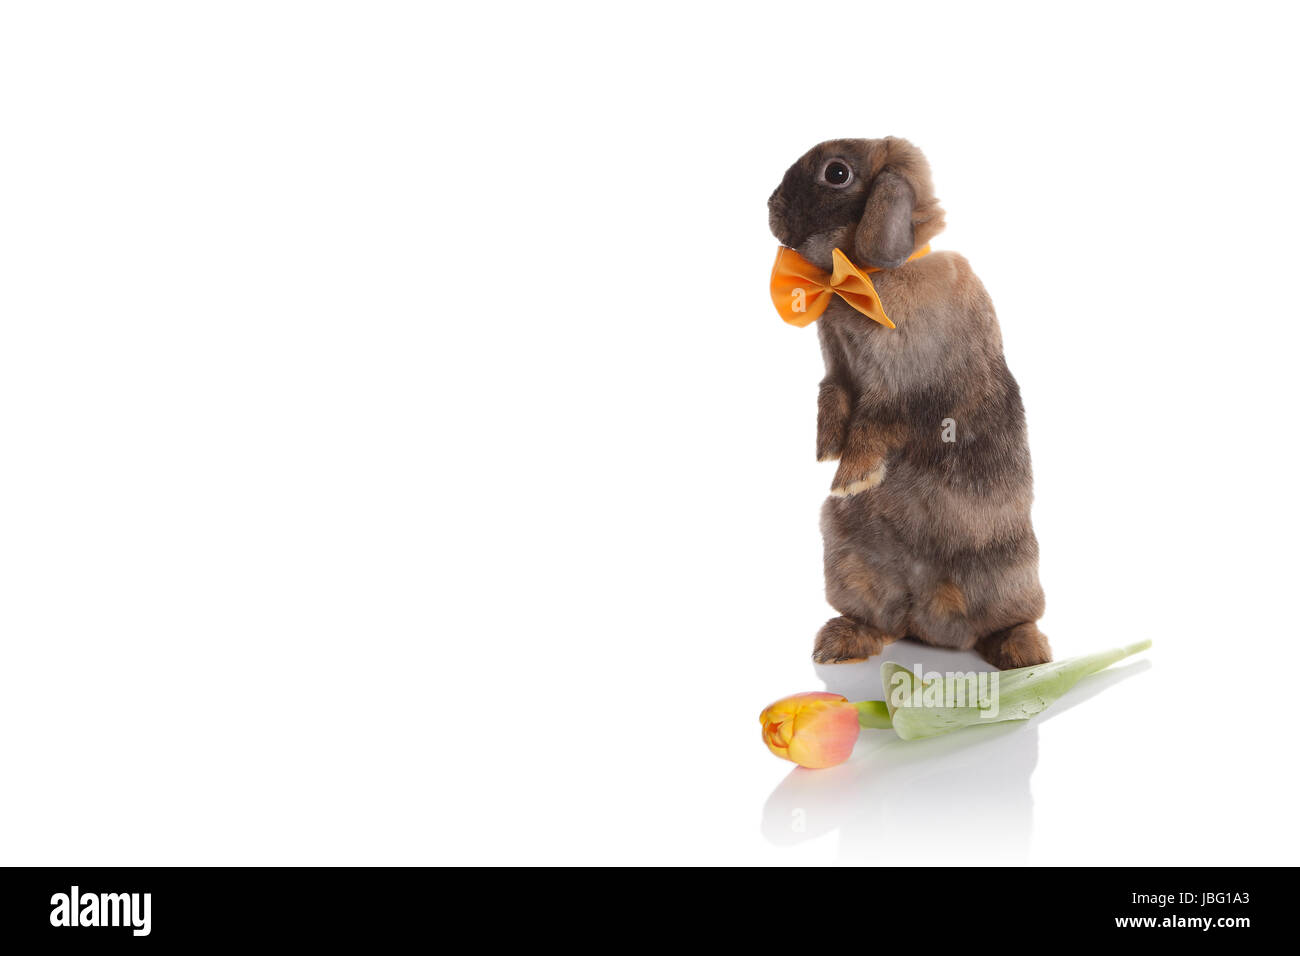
(927, 530)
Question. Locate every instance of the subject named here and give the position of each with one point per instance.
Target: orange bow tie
(801, 292)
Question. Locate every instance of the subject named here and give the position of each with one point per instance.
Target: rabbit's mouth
(778, 222)
(788, 221)
(810, 239)
(818, 247)
(786, 233)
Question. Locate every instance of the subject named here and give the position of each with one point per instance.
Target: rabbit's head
(870, 198)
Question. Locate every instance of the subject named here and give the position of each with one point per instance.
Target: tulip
(815, 729)
(819, 729)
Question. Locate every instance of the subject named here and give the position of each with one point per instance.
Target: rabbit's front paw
(1020, 646)
(843, 640)
(862, 463)
(856, 475)
(832, 420)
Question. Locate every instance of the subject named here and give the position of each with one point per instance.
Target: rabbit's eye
(837, 173)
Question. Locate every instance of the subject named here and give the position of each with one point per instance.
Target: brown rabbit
(927, 531)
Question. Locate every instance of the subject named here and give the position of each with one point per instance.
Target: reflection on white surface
(962, 798)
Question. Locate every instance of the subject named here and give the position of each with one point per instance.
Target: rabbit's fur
(924, 537)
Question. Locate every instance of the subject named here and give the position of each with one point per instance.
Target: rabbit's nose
(775, 214)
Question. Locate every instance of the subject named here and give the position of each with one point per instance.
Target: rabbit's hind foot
(1021, 645)
(843, 640)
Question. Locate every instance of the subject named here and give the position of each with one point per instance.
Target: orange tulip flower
(816, 729)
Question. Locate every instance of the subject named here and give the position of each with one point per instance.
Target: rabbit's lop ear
(885, 237)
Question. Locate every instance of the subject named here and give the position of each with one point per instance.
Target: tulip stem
(874, 715)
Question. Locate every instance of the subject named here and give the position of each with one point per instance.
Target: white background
(402, 461)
